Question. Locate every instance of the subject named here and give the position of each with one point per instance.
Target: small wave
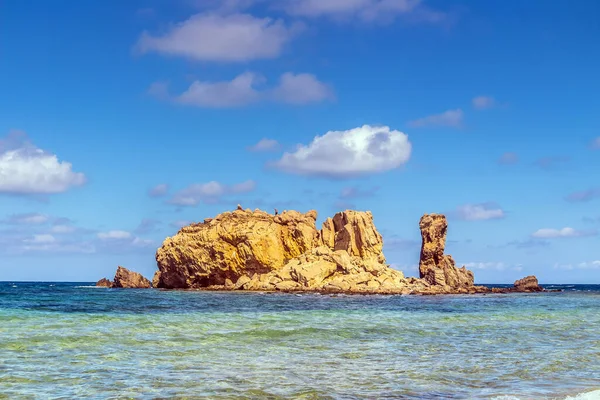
(593, 395)
(92, 286)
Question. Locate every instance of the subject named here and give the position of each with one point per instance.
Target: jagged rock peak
(246, 242)
(434, 266)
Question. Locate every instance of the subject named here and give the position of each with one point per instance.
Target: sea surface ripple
(65, 341)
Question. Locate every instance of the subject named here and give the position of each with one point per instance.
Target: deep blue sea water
(73, 340)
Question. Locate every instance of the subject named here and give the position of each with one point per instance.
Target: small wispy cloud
(483, 102)
(210, 193)
(265, 144)
(583, 195)
(583, 265)
(450, 118)
(26, 219)
(479, 212)
(508, 158)
(595, 143)
(551, 161)
(158, 190)
(550, 233)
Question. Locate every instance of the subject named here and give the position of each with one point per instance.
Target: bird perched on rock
(239, 207)
(276, 212)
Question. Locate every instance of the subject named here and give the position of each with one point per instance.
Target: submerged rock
(104, 283)
(434, 266)
(125, 278)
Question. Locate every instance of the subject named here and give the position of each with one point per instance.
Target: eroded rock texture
(125, 278)
(104, 283)
(435, 267)
(528, 284)
(233, 244)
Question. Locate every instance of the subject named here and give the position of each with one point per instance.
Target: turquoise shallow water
(72, 341)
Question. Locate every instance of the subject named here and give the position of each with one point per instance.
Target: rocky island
(255, 250)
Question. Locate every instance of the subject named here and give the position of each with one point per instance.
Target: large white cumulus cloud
(343, 154)
(26, 169)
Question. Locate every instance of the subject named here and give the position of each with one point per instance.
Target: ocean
(74, 341)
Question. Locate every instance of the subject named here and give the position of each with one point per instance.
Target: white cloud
(237, 92)
(366, 10)
(114, 235)
(301, 89)
(248, 88)
(485, 265)
(210, 192)
(158, 190)
(27, 219)
(26, 169)
(483, 102)
(498, 266)
(583, 265)
(265, 145)
(41, 239)
(479, 212)
(340, 154)
(63, 229)
(567, 232)
(57, 247)
(225, 38)
(450, 118)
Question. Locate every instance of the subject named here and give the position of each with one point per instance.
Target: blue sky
(120, 121)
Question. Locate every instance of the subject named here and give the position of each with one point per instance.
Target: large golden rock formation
(254, 250)
(248, 245)
(434, 266)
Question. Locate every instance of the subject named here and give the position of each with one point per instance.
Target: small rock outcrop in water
(104, 283)
(528, 284)
(125, 278)
(434, 266)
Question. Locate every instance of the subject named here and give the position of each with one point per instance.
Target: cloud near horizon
(450, 118)
(583, 265)
(345, 154)
(248, 88)
(26, 169)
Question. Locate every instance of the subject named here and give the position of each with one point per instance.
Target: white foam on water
(593, 395)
